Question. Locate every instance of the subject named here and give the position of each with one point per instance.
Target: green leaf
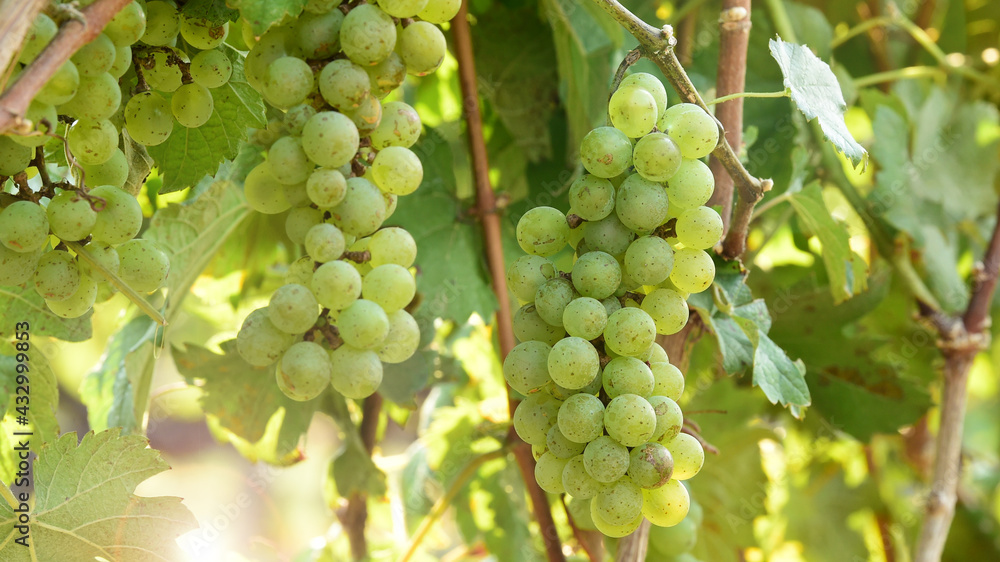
(352, 470)
(41, 401)
(824, 490)
(846, 270)
(215, 11)
(85, 507)
(452, 275)
(24, 304)
(262, 14)
(781, 379)
(246, 400)
(816, 93)
(114, 391)
(190, 154)
(402, 381)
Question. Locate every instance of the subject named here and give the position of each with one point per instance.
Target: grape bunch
(601, 407)
(336, 162)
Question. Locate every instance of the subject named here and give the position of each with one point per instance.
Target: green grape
(630, 419)
(585, 317)
(596, 275)
(122, 63)
(57, 276)
(304, 371)
(162, 23)
(649, 260)
(573, 363)
(609, 530)
(321, 6)
(560, 446)
(440, 11)
(391, 286)
(656, 157)
(677, 540)
(326, 187)
(630, 331)
(606, 152)
(148, 118)
(37, 113)
(363, 324)
(330, 139)
(98, 97)
(529, 326)
(551, 299)
(362, 210)
(17, 267)
(96, 56)
(42, 30)
(632, 111)
(526, 367)
(542, 231)
(356, 373)
(667, 505)
(619, 502)
(402, 8)
(259, 342)
(336, 284)
(627, 375)
(92, 142)
(296, 117)
(387, 75)
(293, 309)
(608, 235)
(392, 245)
(667, 309)
(81, 301)
(343, 84)
(211, 69)
(563, 393)
(611, 305)
(300, 272)
(403, 338)
(164, 75)
(400, 126)
(287, 161)
(192, 105)
(367, 116)
(287, 82)
(576, 482)
(656, 354)
(324, 242)
(24, 226)
(142, 266)
(641, 204)
(605, 459)
(527, 274)
(201, 34)
(650, 465)
(669, 380)
(14, 157)
(127, 26)
(103, 253)
(62, 86)
(699, 228)
(669, 418)
(264, 193)
(534, 416)
(649, 83)
(70, 216)
(319, 34)
(581, 418)
(548, 473)
(422, 47)
(298, 222)
(367, 35)
(696, 132)
(276, 43)
(693, 271)
(688, 454)
(397, 170)
(592, 198)
(120, 219)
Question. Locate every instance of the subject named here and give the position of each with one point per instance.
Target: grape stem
(118, 283)
(743, 95)
(72, 35)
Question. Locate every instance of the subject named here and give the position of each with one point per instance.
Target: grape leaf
(85, 507)
(109, 390)
(262, 14)
(402, 381)
(817, 94)
(215, 11)
(846, 270)
(190, 154)
(43, 396)
(24, 304)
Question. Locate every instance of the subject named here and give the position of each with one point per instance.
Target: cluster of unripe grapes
(336, 162)
(601, 396)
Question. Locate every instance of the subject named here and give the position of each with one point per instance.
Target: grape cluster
(601, 396)
(336, 162)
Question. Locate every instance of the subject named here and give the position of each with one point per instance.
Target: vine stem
(72, 35)
(745, 95)
(18, 17)
(906, 73)
(129, 292)
(490, 218)
(356, 514)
